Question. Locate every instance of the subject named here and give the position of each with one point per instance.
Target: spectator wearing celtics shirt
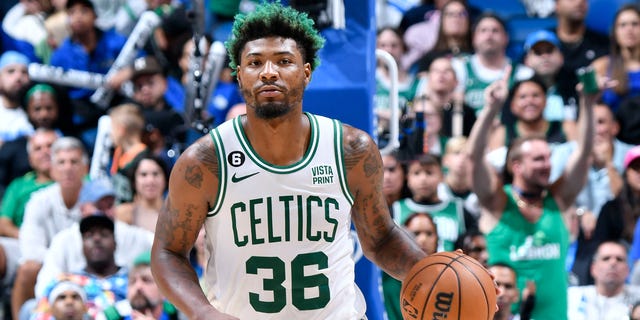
(424, 175)
(488, 63)
(525, 220)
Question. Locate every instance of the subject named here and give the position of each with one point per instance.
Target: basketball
(448, 285)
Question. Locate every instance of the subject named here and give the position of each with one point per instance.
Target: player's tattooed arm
(384, 242)
(179, 222)
(191, 184)
(205, 152)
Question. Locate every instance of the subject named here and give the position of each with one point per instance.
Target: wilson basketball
(448, 285)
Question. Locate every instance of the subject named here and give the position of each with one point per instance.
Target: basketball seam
(457, 258)
(447, 265)
(484, 293)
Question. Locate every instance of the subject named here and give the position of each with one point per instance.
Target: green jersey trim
(222, 172)
(339, 154)
(253, 155)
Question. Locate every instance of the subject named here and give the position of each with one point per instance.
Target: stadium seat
(601, 14)
(9, 43)
(505, 9)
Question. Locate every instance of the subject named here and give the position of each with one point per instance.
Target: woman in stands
(618, 219)
(527, 100)
(623, 62)
(149, 182)
(454, 34)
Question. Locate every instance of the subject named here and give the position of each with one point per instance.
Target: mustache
(270, 84)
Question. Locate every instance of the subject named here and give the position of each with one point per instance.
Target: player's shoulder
(357, 145)
(202, 153)
(355, 138)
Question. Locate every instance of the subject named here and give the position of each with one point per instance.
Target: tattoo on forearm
(193, 175)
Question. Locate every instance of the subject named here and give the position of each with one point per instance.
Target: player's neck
(282, 141)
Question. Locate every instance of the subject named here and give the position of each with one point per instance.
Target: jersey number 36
(299, 282)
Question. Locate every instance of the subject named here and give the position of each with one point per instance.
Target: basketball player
(276, 190)
(524, 221)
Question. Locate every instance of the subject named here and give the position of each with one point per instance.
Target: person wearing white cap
(67, 300)
(14, 78)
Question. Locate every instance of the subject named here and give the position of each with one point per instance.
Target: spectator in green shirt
(19, 190)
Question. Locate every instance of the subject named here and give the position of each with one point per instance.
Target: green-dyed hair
(275, 20)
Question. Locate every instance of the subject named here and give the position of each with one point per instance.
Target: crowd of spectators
(542, 173)
(87, 141)
(505, 157)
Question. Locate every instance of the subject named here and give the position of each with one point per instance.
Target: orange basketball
(448, 285)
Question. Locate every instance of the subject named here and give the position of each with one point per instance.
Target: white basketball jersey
(279, 236)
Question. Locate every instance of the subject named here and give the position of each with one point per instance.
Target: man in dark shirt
(579, 45)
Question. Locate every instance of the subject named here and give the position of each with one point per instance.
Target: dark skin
(98, 246)
(81, 22)
(272, 76)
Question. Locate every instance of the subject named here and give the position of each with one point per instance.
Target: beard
(14, 96)
(141, 303)
(44, 123)
(271, 110)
